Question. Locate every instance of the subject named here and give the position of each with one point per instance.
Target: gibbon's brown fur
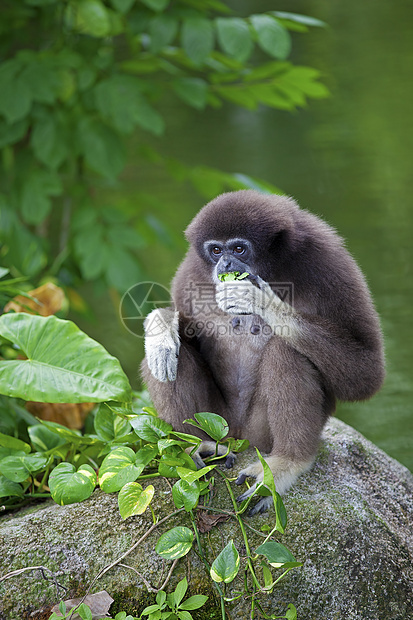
(271, 366)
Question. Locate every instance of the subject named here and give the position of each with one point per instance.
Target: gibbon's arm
(351, 361)
(162, 343)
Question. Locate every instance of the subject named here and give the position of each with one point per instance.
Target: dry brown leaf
(206, 522)
(99, 604)
(48, 299)
(71, 415)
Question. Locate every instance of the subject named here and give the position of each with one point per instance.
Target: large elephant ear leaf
(63, 364)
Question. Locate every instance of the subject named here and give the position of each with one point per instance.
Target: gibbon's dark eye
(239, 249)
(216, 250)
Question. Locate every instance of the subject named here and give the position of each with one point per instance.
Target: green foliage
(109, 427)
(268, 484)
(211, 423)
(8, 488)
(83, 611)
(79, 79)
(54, 371)
(226, 566)
(232, 276)
(235, 37)
(130, 444)
(175, 543)
(186, 494)
(173, 601)
(172, 459)
(118, 468)
(273, 38)
(133, 499)
(18, 467)
(277, 555)
(150, 428)
(8, 288)
(178, 608)
(68, 486)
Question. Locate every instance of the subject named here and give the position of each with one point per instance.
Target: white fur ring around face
(162, 343)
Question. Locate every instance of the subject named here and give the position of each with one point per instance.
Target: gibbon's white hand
(252, 297)
(162, 343)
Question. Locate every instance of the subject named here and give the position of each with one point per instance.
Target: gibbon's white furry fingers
(245, 297)
(162, 343)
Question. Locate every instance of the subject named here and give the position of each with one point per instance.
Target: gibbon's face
(245, 231)
(235, 254)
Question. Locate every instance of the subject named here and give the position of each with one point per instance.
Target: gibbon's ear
(280, 240)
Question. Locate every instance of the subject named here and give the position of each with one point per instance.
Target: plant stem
(118, 560)
(147, 476)
(205, 561)
(281, 576)
(274, 529)
(43, 480)
(244, 534)
(24, 502)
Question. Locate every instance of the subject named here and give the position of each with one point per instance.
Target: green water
(348, 159)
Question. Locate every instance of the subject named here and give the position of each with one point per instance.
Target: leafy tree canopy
(78, 78)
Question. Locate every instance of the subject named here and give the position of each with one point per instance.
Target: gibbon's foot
(285, 473)
(253, 471)
(208, 448)
(162, 343)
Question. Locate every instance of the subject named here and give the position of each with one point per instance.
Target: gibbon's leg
(291, 396)
(193, 390)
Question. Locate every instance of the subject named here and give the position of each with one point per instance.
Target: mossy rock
(350, 522)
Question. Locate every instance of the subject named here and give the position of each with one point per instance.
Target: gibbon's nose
(226, 264)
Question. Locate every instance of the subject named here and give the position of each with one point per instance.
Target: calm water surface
(347, 159)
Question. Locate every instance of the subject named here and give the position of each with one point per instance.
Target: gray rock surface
(350, 521)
